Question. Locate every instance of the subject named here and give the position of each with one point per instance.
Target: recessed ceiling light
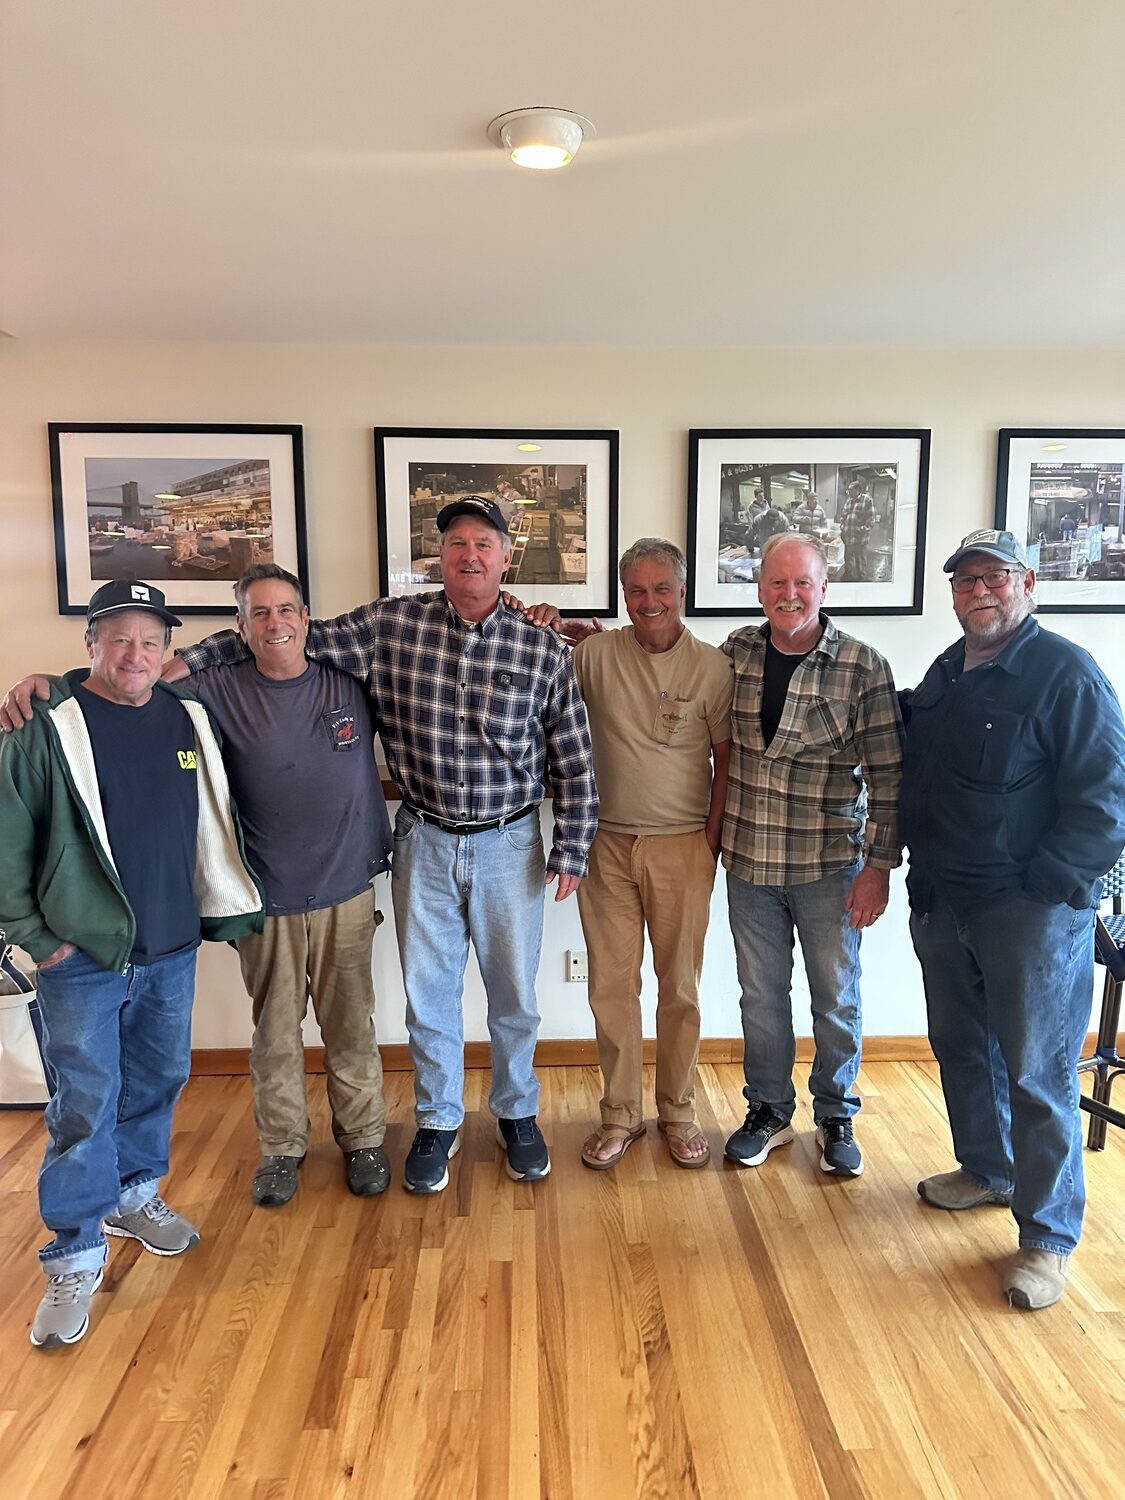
(1054, 447)
(540, 137)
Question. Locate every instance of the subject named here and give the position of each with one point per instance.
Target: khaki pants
(663, 882)
(326, 955)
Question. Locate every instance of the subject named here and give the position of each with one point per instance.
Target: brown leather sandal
(602, 1136)
(678, 1133)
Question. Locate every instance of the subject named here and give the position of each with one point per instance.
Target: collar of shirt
(1010, 659)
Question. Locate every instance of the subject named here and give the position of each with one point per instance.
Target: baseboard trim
(564, 1053)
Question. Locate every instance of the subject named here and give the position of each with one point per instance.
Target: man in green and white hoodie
(119, 850)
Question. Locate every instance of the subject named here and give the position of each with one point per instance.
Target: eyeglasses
(995, 578)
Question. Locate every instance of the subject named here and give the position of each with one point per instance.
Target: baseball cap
(1001, 544)
(125, 594)
(473, 505)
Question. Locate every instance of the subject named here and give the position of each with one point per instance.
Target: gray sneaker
(955, 1191)
(63, 1316)
(159, 1229)
(1035, 1279)
(760, 1132)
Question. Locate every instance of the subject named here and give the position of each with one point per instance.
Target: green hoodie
(58, 881)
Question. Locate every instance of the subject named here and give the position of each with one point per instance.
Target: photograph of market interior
(161, 518)
(1075, 521)
(848, 508)
(544, 506)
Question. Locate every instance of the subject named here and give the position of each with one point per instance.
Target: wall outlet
(576, 965)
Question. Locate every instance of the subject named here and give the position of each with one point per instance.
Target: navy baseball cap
(474, 505)
(999, 544)
(122, 594)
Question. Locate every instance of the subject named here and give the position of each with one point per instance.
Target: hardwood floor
(644, 1332)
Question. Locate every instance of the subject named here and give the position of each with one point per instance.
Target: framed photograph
(557, 490)
(860, 492)
(1060, 491)
(183, 506)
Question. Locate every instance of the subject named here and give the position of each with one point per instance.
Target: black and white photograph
(861, 495)
(1061, 492)
(557, 492)
(189, 508)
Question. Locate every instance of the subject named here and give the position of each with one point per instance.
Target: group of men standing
(783, 753)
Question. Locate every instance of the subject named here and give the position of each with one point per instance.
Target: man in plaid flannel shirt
(810, 836)
(856, 524)
(477, 710)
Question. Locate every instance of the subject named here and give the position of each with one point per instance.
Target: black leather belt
(463, 828)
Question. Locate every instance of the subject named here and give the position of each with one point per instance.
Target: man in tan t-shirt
(659, 707)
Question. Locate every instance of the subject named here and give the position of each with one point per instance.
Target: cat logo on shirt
(186, 759)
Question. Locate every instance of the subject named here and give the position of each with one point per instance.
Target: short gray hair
(772, 543)
(654, 547)
(259, 571)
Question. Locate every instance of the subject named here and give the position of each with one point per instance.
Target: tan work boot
(1035, 1278)
(958, 1190)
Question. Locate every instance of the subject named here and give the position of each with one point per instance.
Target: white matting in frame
(557, 490)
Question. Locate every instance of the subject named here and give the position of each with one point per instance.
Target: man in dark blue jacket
(1013, 807)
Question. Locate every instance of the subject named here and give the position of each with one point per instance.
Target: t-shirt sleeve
(720, 695)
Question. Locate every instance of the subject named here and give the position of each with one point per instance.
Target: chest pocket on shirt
(989, 745)
(827, 724)
(510, 701)
(673, 715)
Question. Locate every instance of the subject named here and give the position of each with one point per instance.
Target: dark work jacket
(1014, 776)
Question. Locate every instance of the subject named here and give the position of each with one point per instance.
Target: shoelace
(156, 1211)
(524, 1132)
(64, 1290)
(839, 1132)
(758, 1117)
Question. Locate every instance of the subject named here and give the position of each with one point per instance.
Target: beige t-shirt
(653, 720)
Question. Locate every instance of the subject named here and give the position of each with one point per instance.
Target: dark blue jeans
(119, 1049)
(1008, 992)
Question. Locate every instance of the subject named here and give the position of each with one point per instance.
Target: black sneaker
(427, 1164)
(367, 1171)
(527, 1150)
(761, 1131)
(838, 1150)
(275, 1181)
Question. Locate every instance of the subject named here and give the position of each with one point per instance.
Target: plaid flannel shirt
(475, 719)
(826, 789)
(858, 518)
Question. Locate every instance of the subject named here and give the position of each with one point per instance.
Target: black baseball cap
(121, 594)
(1000, 544)
(474, 505)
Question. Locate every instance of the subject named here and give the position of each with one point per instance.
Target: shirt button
(988, 726)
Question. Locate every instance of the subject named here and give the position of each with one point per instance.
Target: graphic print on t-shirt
(342, 727)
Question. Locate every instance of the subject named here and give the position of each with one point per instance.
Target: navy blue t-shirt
(145, 763)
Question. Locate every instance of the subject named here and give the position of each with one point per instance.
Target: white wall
(339, 392)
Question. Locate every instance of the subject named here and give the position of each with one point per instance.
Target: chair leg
(1095, 1136)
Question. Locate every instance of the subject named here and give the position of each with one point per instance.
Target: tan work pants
(664, 882)
(326, 955)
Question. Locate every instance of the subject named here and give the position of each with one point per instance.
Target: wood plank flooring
(645, 1332)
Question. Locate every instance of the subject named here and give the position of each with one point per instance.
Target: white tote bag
(23, 1080)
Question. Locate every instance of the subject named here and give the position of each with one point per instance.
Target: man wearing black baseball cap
(1013, 807)
(119, 850)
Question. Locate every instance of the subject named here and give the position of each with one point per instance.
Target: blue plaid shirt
(475, 719)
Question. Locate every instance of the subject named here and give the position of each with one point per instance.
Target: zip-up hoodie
(58, 880)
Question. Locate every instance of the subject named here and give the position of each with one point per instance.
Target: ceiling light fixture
(529, 447)
(1054, 447)
(540, 137)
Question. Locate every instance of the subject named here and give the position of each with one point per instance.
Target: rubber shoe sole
(782, 1137)
(424, 1188)
(523, 1176)
(127, 1234)
(59, 1340)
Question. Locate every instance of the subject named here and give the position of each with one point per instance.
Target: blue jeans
(118, 1047)
(446, 890)
(763, 919)
(1008, 993)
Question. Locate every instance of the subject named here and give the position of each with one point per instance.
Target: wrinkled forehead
(264, 591)
(475, 529)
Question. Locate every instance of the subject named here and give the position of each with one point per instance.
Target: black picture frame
(891, 467)
(107, 475)
(557, 487)
(1061, 491)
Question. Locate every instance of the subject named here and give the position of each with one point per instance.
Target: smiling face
(126, 653)
(990, 615)
(474, 556)
(275, 625)
(654, 597)
(792, 584)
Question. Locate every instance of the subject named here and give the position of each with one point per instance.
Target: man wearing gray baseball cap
(1013, 807)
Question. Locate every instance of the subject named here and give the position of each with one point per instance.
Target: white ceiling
(920, 173)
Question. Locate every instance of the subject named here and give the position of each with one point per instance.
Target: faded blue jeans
(763, 919)
(448, 889)
(1008, 992)
(118, 1047)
